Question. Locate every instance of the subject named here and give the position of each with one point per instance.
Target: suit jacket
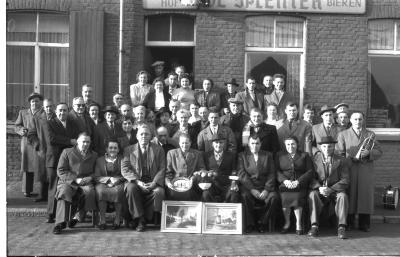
(86, 124)
(73, 165)
(236, 123)
(248, 102)
(30, 142)
(268, 136)
(193, 131)
(179, 166)
(205, 136)
(300, 129)
(223, 170)
(59, 138)
(260, 175)
(125, 142)
(338, 179)
(212, 101)
(150, 100)
(225, 97)
(131, 166)
(300, 168)
(105, 133)
(319, 131)
(273, 98)
(100, 171)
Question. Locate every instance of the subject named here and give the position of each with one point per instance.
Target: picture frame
(181, 216)
(222, 218)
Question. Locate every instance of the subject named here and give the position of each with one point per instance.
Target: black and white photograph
(200, 127)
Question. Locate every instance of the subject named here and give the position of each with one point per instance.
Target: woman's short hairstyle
(158, 80)
(140, 73)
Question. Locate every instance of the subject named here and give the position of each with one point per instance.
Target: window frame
(284, 50)
(170, 42)
(388, 134)
(37, 53)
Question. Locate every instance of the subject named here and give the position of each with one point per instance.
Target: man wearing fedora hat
(329, 189)
(324, 129)
(108, 128)
(231, 87)
(236, 120)
(26, 126)
(223, 164)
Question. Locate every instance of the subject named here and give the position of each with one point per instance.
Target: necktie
(290, 124)
(112, 128)
(145, 171)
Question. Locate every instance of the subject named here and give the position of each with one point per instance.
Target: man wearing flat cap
(108, 128)
(328, 195)
(236, 120)
(326, 128)
(26, 126)
(223, 165)
(342, 107)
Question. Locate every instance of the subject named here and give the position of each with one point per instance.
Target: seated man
(75, 172)
(330, 189)
(223, 164)
(184, 162)
(257, 175)
(143, 166)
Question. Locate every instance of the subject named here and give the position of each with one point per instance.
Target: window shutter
(86, 52)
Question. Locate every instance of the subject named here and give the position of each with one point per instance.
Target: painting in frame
(181, 216)
(222, 218)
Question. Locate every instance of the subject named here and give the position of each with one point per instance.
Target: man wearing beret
(26, 126)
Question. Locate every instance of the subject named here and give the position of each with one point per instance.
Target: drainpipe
(121, 27)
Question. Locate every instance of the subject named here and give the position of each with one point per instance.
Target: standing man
(108, 129)
(203, 113)
(204, 138)
(162, 140)
(325, 129)
(118, 100)
(26, 126)
(279, 96)
(236, 120)
(308, 113)
(267, 86)
(61, 132)
(171, 83)
(256, 171)
(47, 115)
(267, 133)
(329, 190)
(144, 169)
(207, 97)
(250, 97)
(87, 95)
(231, 87)
(292, 126)
(75, 172)
(362, 169)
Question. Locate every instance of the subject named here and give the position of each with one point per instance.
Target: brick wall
(13, 156)
(387, 168)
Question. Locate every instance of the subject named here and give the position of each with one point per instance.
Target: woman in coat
(157, 99)
(294, 172)
(109, 183)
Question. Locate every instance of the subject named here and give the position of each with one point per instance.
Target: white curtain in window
(293, 75)
(289, 32)
(260, 31)
(381, 34)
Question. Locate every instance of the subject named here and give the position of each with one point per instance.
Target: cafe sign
(301, 6)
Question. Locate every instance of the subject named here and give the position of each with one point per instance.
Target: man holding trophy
(329, 189)
(359, 145)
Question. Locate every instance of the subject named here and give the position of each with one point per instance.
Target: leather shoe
(313, 231)
(27, 194)
(115, 226)
(285, 230)
(57, 229)
(72, 223)
(341, 232)
(141, 227)
(103, 226)
(299, 232)
(38, 200)
(50, 219)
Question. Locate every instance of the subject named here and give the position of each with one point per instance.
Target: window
(170, 30)
(275, 44)
(37, 56)
(384, 76)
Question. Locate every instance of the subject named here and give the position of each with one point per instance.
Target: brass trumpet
(367, 144)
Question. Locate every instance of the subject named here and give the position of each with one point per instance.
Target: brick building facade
(333, 62)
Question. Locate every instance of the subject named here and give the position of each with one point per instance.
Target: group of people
(248, 147)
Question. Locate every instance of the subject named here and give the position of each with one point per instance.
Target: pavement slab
(31, 236)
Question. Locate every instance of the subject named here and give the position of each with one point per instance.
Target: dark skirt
(113, 194)
(293, 199)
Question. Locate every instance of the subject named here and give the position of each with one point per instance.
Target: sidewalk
(18, 205)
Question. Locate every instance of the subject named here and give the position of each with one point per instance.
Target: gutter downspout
(121, 27)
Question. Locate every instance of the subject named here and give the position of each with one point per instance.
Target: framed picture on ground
(222, 218)
(181, 216)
